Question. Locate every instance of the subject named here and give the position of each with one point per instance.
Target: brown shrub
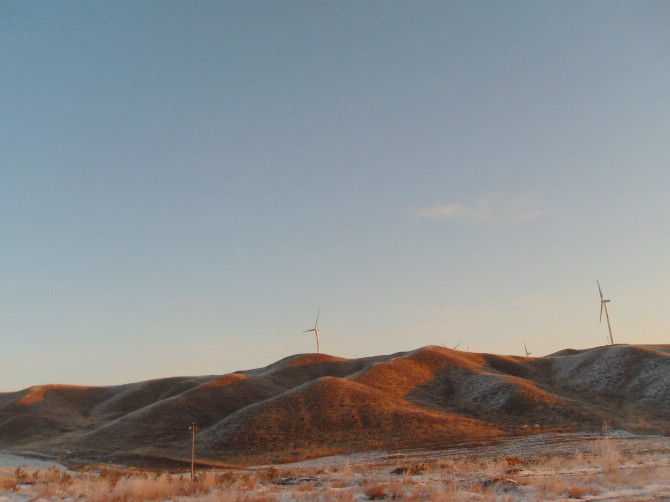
(226, 478)
(8, 484)
(419, 468)
(515, 461)
(65, 479)
(341, 483)
(248, 481)
(576, 492)
(138, 488)
(112, 477)
(20, 474)
(376, 492)
(269, 475)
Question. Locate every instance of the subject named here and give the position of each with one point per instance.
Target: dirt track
(558, 445)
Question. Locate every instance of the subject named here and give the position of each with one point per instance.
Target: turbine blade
(317, 318)
(602, 304)
(308, 331)
(600, 290)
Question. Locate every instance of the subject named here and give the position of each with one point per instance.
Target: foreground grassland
(606, 468)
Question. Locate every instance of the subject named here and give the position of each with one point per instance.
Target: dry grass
(8, 484)
(603, 468)
(311, 405)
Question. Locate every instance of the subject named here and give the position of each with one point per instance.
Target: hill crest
(314, 404)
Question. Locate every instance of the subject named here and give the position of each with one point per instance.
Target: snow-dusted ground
(595, 467)
(555, 444)
(565, 467)
(27, 462)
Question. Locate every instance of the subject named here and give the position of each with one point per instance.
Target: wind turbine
(524, 348)
(603, 305)
(454, 348)
(316, 331)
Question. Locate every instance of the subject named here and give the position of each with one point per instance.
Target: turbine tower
(524, 348)
(316, 331)
(603, 305)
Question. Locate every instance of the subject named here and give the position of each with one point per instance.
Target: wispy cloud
(494, 209)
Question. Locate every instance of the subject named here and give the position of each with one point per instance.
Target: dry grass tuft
(579, 492)
(610, 457)
(376, 492)
(8, 484)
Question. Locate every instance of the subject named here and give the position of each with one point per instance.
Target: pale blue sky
(184, 184)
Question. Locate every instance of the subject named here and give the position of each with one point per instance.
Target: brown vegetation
(610, 468)
(311, 405)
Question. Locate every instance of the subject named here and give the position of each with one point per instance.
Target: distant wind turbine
(524, 348)
(316, 331)
(454, 348)
(603, 306)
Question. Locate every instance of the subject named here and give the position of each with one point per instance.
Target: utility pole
(603, 306)
(193, 428)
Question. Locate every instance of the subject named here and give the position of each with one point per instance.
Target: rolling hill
(310, 405)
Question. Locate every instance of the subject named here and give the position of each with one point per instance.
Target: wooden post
(193, 428)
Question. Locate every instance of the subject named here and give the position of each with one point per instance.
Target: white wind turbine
(524, 348)
(603, 305)
(316, 331)
(454, 348)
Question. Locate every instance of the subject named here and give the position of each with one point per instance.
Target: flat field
(610, 466)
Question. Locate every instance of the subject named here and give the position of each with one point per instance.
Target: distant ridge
(310, 405)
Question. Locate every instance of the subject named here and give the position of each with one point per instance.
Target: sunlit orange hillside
(314, 404)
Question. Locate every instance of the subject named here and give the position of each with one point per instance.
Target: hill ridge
(312, 404)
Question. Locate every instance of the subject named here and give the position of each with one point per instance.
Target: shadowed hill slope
(314, 404)
(330, 415)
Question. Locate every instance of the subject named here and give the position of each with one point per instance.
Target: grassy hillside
(314, 404)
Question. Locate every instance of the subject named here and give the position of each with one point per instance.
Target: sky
(184, 184)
